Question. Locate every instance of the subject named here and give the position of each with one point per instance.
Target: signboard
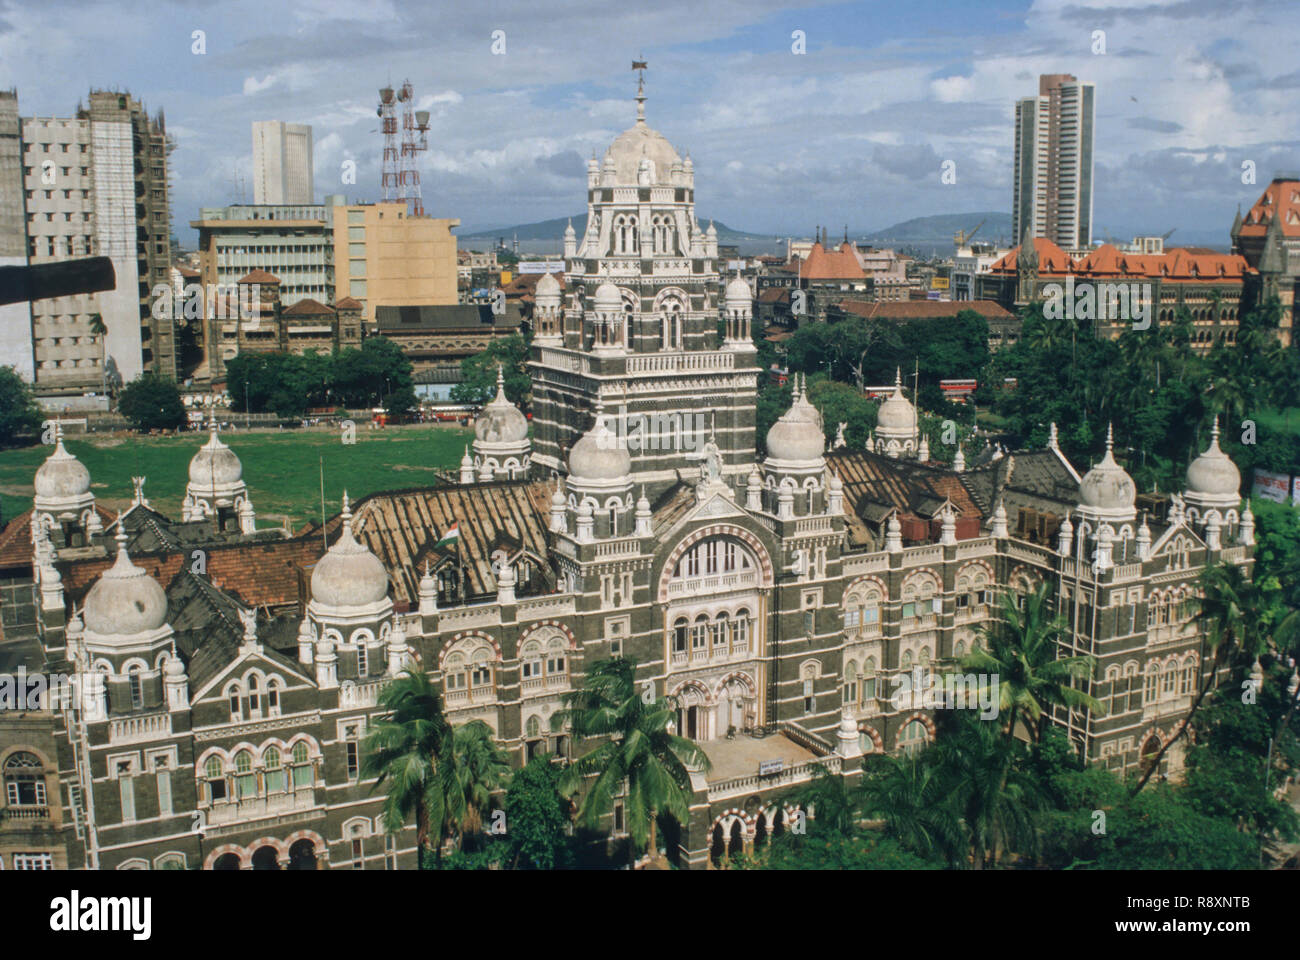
(932, 294)
(1295, 491)
(939, 283)
(1271, 486)
(541, 266)
(768, 767)
(735, 265)
(506, 277)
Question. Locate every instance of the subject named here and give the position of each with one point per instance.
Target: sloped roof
(834, 264)
(259, 276)
(308, 308)
(905, 485)
(454, 316)
(1281, 198)
(348, 303)
(401, 527)
(923, 309)
(1051, 259)
(16, 538)
(1109, 262)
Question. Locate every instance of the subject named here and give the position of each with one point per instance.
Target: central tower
(645, 329)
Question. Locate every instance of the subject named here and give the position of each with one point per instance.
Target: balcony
(26, 813)
(718, 583)
(361, 694)
(260, 808)
(680, 362)
(155, 726)
(462, 699)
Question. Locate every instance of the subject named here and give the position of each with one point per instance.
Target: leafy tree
(1237, 614)
(537, 814)
(478, 373)
(840, 403)
(1158, 830)
(907, 793)
(479, 768)
(152, 402)
(20, 417)
(409, 750)
(632, 753)
(822, 849)
(1021, 649)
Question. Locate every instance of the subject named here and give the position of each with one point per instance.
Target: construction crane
(962, 237)
(1166, 236)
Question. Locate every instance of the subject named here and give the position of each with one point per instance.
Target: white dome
(1213, 473)
(799, 435)
(738, 294)
(1107, 489)
(896, 414)
(547, 293)
(348, 575)
(608, 298)
(215, 464)
(634, 143)
(62, 475)
(125, 600)
(599, 455)
(500, 421)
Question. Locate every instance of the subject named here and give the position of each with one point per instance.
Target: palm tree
(1238, 615)
(98, 329)
(634, 751)
(1021, 651)
(479, 767)
(408, 749)
(907, 794)
(979, 772)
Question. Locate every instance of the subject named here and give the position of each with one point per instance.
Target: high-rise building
(1052, 179)
(16, 348)
(91, 185)
(282, 171)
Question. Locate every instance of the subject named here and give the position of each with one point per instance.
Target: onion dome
(896, 414)
(125, 601)
(500, 421)
(799, 435)
(174, 667)
(1212, 478)
(215, 464)
(641, 141)
(62, 476)
(599, 454)
(348, 575)
(608, 299)
(547, 293)
(738, 295)
(1107, 491)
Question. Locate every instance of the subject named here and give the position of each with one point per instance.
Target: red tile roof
(823, 264)
(1280, 198)
(774, 295)
(1109, 262)
(16, 538)
(259, 276)
(308, 308)
(348, 303)
(923, 309)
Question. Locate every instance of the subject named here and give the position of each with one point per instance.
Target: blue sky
(853, 131)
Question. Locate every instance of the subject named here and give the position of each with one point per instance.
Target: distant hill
(941, 228)
(554, 230)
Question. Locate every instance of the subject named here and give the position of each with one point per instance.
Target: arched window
(137, 692)
(254, 698)
(533, 728)
(531, 657)
(302, 772)
(913, 738)
(455, 678)
(868, 680)
(1169, 681)
(905, 662)
(24, 776)
(741, 642)
(480, 675)
(273, 697)
(1152, 691)
(700, 633)
(245, 778)
(851, 683)
(679, 635)
(215, 777)
(720, 629)
(232, 695)
(274, 770)
(556, 661)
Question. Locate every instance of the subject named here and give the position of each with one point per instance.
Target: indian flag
(452, 535)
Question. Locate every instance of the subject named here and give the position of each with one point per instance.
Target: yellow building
(384, 257)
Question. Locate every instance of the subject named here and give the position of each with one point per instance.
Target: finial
(347, 510)
(898, 378)
(1110, 437)
(1214, 431)
(120, 537)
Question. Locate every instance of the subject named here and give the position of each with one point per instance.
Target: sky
(855, 130)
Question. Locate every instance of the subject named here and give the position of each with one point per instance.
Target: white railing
(679, 362)
(713, 584)
(800, 773)
(617, 548)
(362, 694)
(257, 808)
(813, 525)
(572, 362)
(136, 729)
(982, 547)
(534, 608)
(924, 553)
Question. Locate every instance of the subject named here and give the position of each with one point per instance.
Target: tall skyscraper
(1052, 180)
(282, 162)
(90, 185)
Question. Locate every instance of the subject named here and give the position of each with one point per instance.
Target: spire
(501, 385)
(640, 101)
(347, 516)
(1110, 439)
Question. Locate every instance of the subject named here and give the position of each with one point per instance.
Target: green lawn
(281, 468)
(1280, 421)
